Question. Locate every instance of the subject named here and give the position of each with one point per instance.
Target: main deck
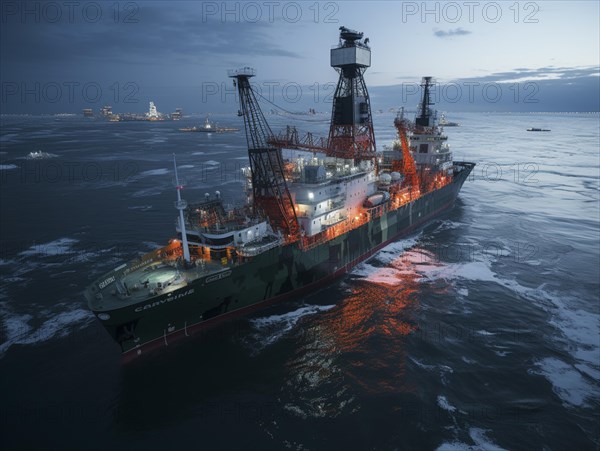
(154, 274)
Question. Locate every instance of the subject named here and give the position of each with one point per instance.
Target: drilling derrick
(270, 193)
(351, 133)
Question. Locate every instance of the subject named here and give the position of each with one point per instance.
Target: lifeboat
(374, 200)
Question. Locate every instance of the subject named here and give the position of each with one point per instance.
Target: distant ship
(208, 127)
(39, 155)
(538, 130)
(445, 123)
(177, 114)
(36, 155)
(153, 114)
(308, 219)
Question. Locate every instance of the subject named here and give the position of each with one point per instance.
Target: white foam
(586, 369)
(155, 140)
(57, 247)
(271, 329)
(152, 191)
(579, 327)
(443, 370)
(393, 254)
(567, 382)
(444, 404)
(388, 276)
(479, 437)
(463, 292)
(151, 172)
(19, 330)
(485, 332)
(448, 225)
(7, 167)
(482, 443)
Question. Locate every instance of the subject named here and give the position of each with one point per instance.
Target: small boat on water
(533, 129)
(39, 155)
(208, 127)
(445, 123)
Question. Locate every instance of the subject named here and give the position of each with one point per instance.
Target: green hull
(279, 273)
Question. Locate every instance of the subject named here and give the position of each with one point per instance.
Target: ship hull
(280, 273)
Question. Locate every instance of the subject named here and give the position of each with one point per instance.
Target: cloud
(449, 33)
(160, 35)
(538, 74)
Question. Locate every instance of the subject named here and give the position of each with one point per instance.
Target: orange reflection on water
(360, 345)
(368, 330)
(374, 308)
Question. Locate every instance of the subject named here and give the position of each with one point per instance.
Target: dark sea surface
(480, 331)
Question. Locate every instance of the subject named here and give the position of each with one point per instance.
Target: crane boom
(270, 192)
(408, 163)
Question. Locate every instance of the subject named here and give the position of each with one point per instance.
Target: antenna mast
(181, 205)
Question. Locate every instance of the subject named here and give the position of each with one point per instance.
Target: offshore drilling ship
(308, 219)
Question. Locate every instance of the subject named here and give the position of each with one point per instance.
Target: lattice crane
(270, 192)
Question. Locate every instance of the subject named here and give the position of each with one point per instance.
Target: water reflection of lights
(356, 347)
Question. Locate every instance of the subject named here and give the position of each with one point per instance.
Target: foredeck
(150, 276)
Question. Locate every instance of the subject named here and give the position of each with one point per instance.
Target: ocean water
(479, 331)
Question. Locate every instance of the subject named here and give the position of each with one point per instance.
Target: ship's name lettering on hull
(141, 308)
(134, 267)
(216, 277)
(106, 282)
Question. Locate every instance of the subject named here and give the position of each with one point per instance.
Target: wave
(60, 246)
(147, 192)
(270, 329)
(578, 328)
(152, 172)
(443, 370)
(444, 404)
(480, 442)
(18, 328)
(567, 381)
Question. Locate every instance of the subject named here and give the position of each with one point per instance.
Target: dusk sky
(59, 56)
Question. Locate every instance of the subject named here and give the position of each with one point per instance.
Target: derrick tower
(351, 132)
(270, 192)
